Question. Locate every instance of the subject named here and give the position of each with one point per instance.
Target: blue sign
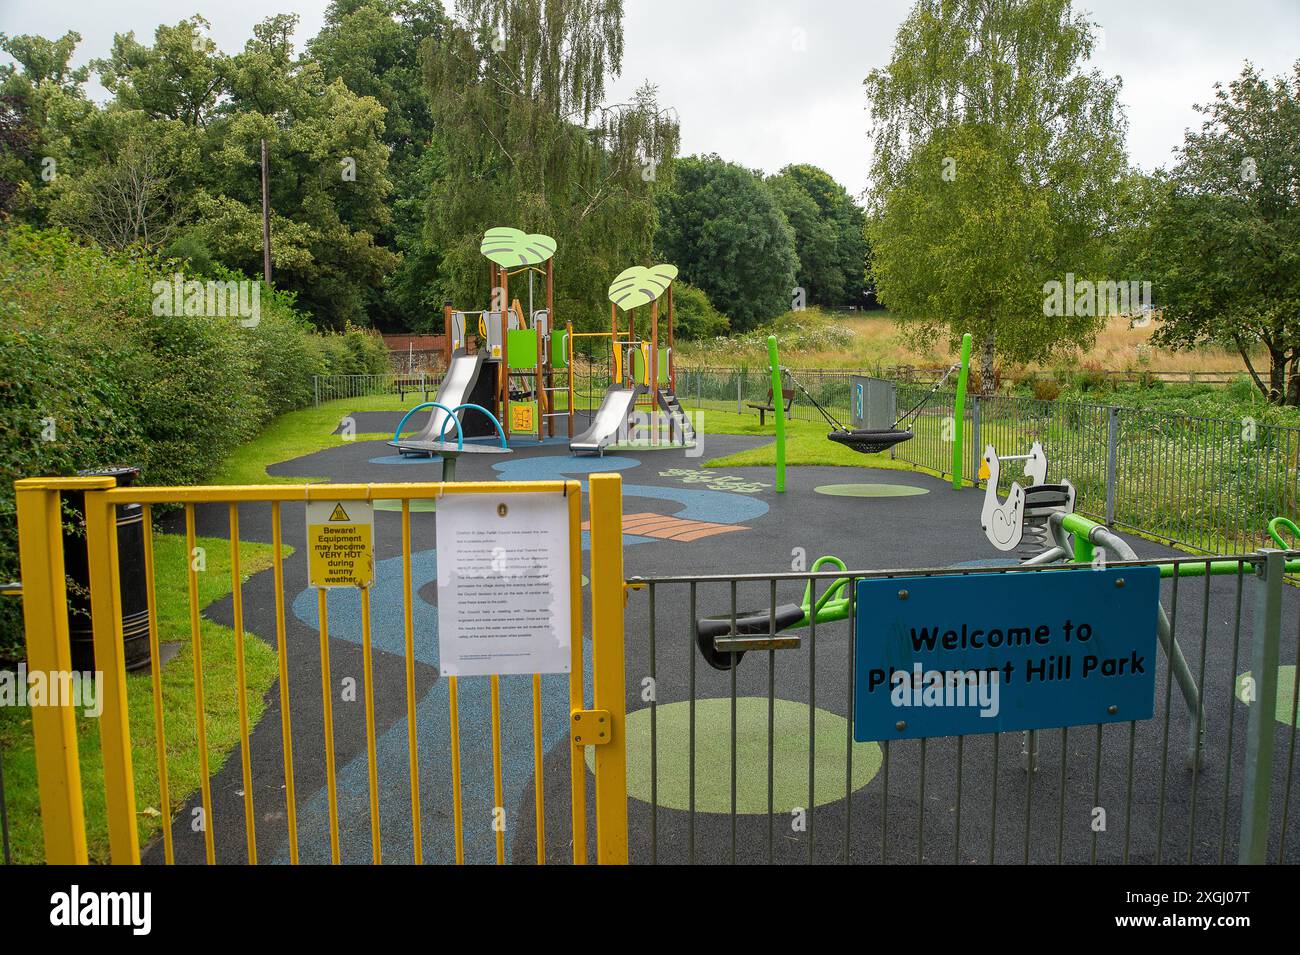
(990, 653)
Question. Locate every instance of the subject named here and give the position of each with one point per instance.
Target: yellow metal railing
(54, 727)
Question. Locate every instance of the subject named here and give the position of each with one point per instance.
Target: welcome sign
(990, 653)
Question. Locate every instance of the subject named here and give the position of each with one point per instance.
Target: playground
(740, 640)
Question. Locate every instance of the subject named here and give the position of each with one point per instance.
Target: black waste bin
(130, 560)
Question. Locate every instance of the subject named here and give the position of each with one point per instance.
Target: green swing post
(959, 414)
(774, 367)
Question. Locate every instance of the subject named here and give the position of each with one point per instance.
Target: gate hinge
(590, 727)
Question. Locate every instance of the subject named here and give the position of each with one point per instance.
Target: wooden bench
(787, 396)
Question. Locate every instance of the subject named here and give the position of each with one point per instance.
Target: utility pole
(266, 221)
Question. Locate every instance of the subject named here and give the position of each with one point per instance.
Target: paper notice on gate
(503, 584)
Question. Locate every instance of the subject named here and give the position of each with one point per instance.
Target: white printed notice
(503, 584)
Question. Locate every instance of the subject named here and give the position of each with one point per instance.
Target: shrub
(1045, 389)
(90, 376)
(694, 316)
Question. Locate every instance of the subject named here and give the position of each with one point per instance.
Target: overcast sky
(771, 82)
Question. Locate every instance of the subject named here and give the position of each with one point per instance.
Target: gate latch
(590, 727)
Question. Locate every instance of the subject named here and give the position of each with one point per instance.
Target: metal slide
(455, 390)
(612, 415)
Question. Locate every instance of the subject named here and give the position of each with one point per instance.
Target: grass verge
(302, 432)
(179, 713)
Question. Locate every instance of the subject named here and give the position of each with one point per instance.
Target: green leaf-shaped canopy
(640, 285)
(512, 247)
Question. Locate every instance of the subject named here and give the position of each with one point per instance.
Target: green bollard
(774, 367)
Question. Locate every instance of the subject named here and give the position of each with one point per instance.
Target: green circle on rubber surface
(870, 490)
(713, 756)
(1286, 711)
(421, 505)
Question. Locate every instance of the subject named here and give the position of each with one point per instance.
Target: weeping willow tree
(516, 90)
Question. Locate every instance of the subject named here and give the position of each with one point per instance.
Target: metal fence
(740, 389)
(1209, 484)
(333, 387)
(757, 762)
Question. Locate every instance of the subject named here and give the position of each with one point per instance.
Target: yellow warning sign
(340, 544)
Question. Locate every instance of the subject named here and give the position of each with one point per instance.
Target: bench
(414, 384)
(787, 396)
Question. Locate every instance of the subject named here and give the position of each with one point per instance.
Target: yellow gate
(40, 528)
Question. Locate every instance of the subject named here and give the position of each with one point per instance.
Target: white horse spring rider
(1003, 521)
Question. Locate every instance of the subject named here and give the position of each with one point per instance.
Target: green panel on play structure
(522, 346)
(639, 373)
(523, 417)
(559, 348)
(663, 366)
(640, 285)
(512, 247)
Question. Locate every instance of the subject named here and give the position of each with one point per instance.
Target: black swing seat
(723, 647)
(870, 442)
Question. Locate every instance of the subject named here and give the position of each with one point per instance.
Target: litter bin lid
(124, 474)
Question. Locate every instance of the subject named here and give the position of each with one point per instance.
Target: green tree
(985, 108)
(694, 315)
(516, 89)
(1222, 235)
(721, 225)
(48, 99)
(830, 235)
(374, 46)
(329, 182)
(180, 77)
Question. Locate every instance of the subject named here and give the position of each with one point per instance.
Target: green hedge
(90, 376)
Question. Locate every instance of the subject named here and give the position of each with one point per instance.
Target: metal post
(1112, 463)
(959, 413)
(976, 445)
(4, 815)
(45, 623)
(1256, 786)
(114, 724)
(315, 383)
(606, 507)
(738, 386)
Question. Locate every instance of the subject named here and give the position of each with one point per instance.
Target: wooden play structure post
(568, 358)
(503, 376)
(672, 361)
(446, 336)
(550, 354)
(654, 350)
(616, 366)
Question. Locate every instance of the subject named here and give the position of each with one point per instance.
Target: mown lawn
(179, 713)
(299, 433)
